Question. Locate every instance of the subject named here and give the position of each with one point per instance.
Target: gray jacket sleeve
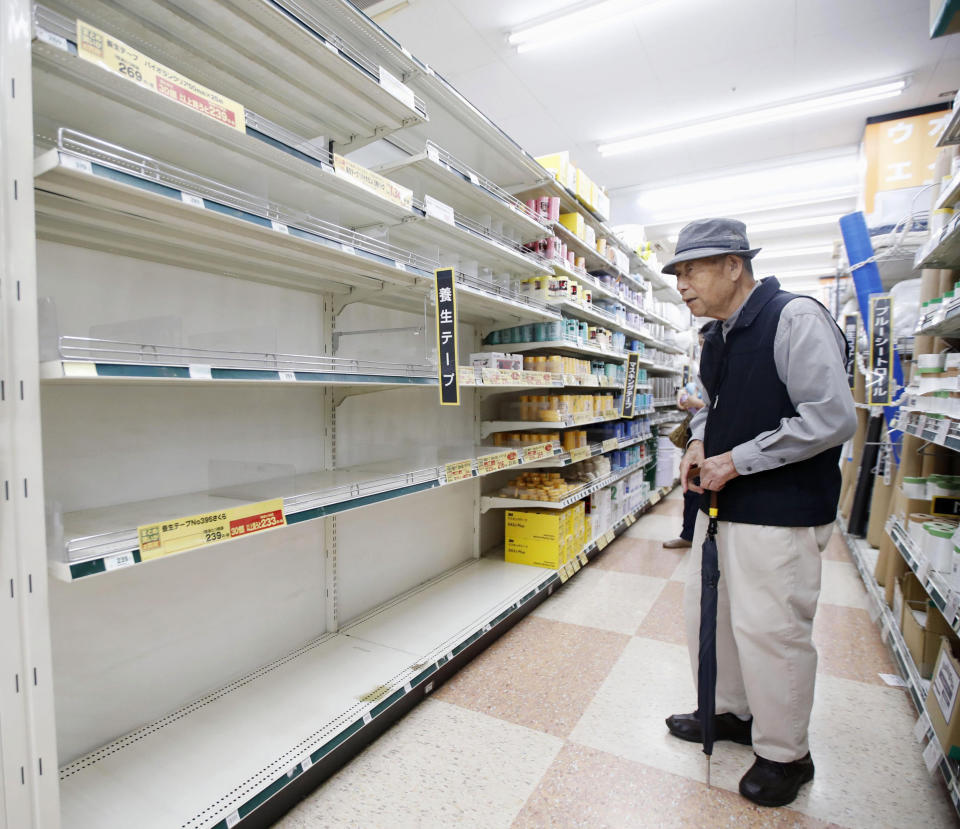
(809, 352)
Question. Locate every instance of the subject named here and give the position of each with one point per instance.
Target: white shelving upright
(221, 318)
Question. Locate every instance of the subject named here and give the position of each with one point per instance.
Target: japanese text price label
(580, 454)
(372, 182)
(468, 376)
(179, 534)
(494, 463)
(458, 471)
(491, 376)
(537, 452)
(609, 444)
(105, 50)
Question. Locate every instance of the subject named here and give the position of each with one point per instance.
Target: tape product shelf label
(501, 460)
(437, 209)
(537, 452)
(71, 369)
(118, 561)
(931, 755)
(583, 559)
(280, 227)
(922, 727)
(80, 165)
(562, 573)
(192, 200)
(288, 376)
(200, 371)
(372, 182)
(610, 535)
(602, 542)
(458, 471)
(106, 51)
(178, 534)
(610, 444)
(580, 454)
(397, 88)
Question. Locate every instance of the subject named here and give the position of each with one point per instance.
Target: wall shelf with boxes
(925, 700)
(222, 322)
(901, 477)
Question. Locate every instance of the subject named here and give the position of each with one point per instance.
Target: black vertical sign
(850, 329)
(880, 385)
(446, 301)
(686, 374)
(630, 387)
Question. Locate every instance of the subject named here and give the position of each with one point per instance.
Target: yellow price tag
(562, 572)
(601, 542)
(468, 377)
(105, 50)
(610, 536)
(581, 454)
(584, 560)
(576, 565)
(537, 452)
(491, 376)
(179, 534)
(372, 182)
(501, 460)
(610, 444)
(582, 417)
(458, 471)
(72, 369)
(655, 498)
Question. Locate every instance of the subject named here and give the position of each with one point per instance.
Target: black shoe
(725, 727)
(776, 784)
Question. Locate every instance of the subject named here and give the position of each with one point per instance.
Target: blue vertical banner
(866, 280)
(447, 362)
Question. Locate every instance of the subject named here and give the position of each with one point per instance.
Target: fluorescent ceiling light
(703, 128)
(793, 224)
(571, 23)
(775, 227)
(790, 253)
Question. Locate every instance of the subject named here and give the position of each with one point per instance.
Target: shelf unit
(234, 315)
(864, 558)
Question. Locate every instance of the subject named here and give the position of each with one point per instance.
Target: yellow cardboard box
(542, 538)
(563, 170)
(575, 223)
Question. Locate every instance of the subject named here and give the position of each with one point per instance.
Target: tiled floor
(560, 722)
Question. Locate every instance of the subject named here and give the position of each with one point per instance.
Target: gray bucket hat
(711, 237)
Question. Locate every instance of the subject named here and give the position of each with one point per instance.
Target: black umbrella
(707, 670)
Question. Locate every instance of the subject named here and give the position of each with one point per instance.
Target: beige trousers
(767, 597)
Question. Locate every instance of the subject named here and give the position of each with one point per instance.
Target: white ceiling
(675, 61)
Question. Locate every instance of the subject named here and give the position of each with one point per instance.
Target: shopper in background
(689, 401)
(777, 410)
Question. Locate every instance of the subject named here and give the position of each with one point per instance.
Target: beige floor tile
(869, 770)
(589, 788)
(680, 574)
(442, 765)
(656, 527)
(665, 619)
(841, 584)
(603, 599)
(671, 507)
(837, 549)
(541, 674)
(640, 556)
(849, 645)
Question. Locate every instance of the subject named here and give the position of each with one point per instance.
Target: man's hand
(692, 459)
(716, 471)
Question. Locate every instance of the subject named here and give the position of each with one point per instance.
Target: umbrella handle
(712, 528)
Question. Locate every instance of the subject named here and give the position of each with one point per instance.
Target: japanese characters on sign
(850, 327)
(901, 151)
(372, 182)
(880, 381)
(105, 50)
(630, 387)
(178, 534)
(446, 302)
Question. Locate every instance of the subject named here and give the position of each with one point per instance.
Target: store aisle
(560, 723)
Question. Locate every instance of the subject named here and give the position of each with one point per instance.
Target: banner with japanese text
(880, 383)
(900, 152)
(446, 306)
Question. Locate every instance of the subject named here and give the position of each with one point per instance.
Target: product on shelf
(526, 438)
(559, 408)
(544, 538)
(941, 701)
(493, 359)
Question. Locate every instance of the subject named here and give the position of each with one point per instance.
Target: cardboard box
(584, 189)
(543, 537)
(942, 704)
(556, 163)
(923, 625)
(602, 208)
(574, 223)
(907, 589)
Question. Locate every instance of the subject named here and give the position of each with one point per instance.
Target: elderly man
(778, 408)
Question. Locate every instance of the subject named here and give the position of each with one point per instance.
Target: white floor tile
(841, 584)
(442, 765)
(604, 599)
